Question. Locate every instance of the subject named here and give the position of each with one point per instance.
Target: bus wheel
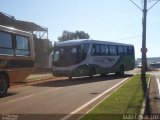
(103, 75)
(3, 85)
(116, 73)
(70, 77)
(121, 71)
(92, 72)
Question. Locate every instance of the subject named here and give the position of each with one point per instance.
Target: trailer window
(22, 46)
(6, 44)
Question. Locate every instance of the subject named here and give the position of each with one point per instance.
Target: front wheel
(3, 85)
(92, 72)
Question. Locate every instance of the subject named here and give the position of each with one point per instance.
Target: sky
(108, 20)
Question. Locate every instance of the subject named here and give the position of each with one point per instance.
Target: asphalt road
(56, 99)
(154, 94)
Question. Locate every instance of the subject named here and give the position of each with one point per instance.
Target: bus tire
(121, 71)
(103, 75)
(4, 84)
(92, 72)
(117, 73)
(70, 77)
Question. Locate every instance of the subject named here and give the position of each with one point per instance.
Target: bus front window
(56, 56)
(70, 55)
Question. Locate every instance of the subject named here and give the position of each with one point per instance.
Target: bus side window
(112, 50)
(98, 50)
(93, 50)
(125, 49)
(120, 50)
(85, 47)
(103, 50)
(106, 50)
(130, 50)
(22, 46)
(6, 43)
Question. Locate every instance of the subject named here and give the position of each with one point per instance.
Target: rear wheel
(3, 85)
(116, 73)
(70, 77)
(121, 71)
(103, 75)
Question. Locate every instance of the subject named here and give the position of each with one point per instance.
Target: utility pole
(144, 49)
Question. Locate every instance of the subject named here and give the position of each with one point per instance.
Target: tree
(67, 35)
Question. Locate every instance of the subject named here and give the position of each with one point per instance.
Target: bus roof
(81, 41)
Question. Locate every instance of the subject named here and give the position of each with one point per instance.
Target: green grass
(127, 100)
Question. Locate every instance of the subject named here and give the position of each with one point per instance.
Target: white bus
(85, 57)
(16, 56)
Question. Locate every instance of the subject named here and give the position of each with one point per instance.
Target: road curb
(145, 99)
(110, 91)
(32, 81)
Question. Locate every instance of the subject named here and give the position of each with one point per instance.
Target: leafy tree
(67, 35)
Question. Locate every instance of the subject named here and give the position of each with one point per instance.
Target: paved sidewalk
(35, 77)
(38, 77)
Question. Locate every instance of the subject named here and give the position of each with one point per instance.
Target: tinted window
(93, 50)
(69, 55)
(56, 56)
(85, 48)
(106, 49)
(96, 49)
(125, 50)
(103, 50)
(22, 45)
(5, 40)
(4, 51)
(22, 42)
(130, 50)
(6, 43)
(112, 50)
(120, 50)
(100, 49)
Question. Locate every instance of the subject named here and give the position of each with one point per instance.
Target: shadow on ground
(77, 81)
(9, 94)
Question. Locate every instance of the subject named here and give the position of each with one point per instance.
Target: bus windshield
(69, 55)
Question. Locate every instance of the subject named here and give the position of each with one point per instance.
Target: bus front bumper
(76, 72)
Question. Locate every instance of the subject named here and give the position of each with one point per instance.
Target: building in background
(152, 61)
(40, 36)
